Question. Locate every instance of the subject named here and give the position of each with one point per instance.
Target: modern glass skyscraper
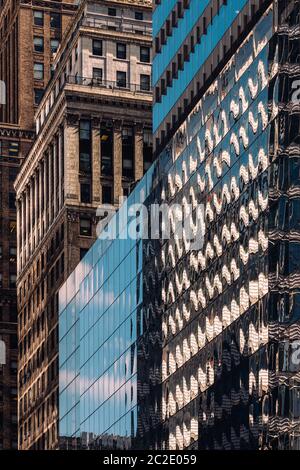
(172, 344)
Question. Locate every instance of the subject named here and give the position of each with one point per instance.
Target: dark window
(38, 95)
(97, 75)
(121, 50)
(38, 18)
(147, 149)
(12, 200)
(145, 54)
(127, 151)
(12, 281)
(0, 251)
(83, 252)
(12, 254)
(54, 43)
(97, 47)
(139, 15)
(38, 43)
(85, 147)
(55, 20)
(85, 192)
(1, 285)
(106, 150)
(145, 82)
(85, 227)
(106, 195)
(38, 71)
(12, 173)
(13, 149)
(121, 79)
(112, 11)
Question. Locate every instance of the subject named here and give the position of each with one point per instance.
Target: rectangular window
(97, 75)
(54, 43)
(85, 146)
(145, 82)
(97, 47)
(38, 95)
(85, 192)
(112, 11)
(38, 43)
(139, 15)
(106, 195)
(121, 50)
(107, 142)
(12, 200)
(1, 285)
(147, 149)
(121, 79)
(0, 251)
(127, 152)
(12, 281)
(38, 18)
(13, 150)
(145, 54)
(55, 20)
(38, 71)
(85, 227)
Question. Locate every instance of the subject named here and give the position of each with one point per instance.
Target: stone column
(40, 202)
(117, 163)
(36, 203)
(54, 179)
(96, 161)
(26, 223)
(22, 247)
(45, 184)
(50, 196)
(31, 202)
(18, 233)
(71, 159)
(60, 164)
(138, 152)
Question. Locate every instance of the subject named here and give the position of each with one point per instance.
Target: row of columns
(40, 200)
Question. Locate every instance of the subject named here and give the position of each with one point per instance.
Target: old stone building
(93, 143)
(14, 144)
(30, 33)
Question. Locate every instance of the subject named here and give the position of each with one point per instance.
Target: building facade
(93, 143)
(165, 344)
(14, 145)
(30, 33)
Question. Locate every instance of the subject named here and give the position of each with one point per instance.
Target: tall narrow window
(147, 149)
(106, 151)
(145, 54)
(85, 146)
(121, 50)
(128, 152)
(145, 82)
(38, 71)
(38, 43)
(38, 18)
(55, 20)
(121, 79)
(97, 47)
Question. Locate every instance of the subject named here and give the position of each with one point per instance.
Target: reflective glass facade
(205, 338)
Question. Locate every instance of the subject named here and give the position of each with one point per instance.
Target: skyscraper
(186, 343)
(30, 33)
(93, 144)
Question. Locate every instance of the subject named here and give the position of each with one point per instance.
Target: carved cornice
(16, 133)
